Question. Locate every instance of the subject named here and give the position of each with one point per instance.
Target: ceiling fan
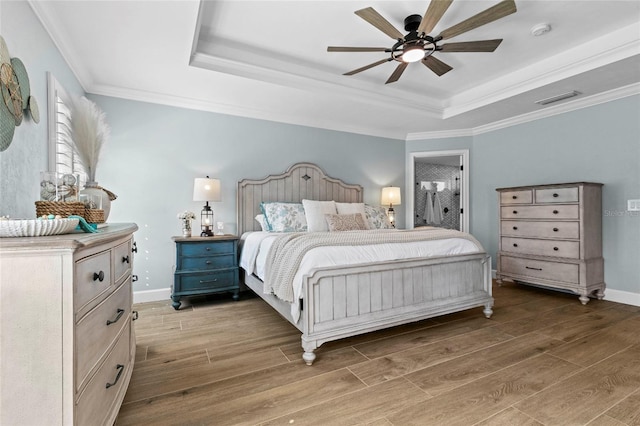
(418, 45)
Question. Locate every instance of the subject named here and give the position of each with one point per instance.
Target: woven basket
(64, 209)
(94, 215)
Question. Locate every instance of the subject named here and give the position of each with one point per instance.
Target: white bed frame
(346, 301)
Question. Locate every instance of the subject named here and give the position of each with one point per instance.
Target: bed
(339, 301)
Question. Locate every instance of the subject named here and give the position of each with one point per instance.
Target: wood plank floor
(543, 359)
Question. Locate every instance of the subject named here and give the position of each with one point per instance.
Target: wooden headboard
(300, 181)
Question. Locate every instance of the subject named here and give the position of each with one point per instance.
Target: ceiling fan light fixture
(413, 54)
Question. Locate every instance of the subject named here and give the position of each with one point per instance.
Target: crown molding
(47, 18)
(612, 95)
(601, 51)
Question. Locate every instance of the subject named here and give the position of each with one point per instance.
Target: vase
(186, 228)
(92, 188)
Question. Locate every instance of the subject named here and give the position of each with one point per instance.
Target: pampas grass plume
(89, 131)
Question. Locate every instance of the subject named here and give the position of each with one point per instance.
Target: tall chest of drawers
(551, 235)
(67, 344)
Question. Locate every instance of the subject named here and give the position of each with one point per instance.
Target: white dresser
(551, 235)
(67, 344)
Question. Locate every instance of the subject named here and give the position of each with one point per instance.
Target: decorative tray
(36, 227)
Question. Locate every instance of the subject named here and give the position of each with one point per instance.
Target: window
(61, 156)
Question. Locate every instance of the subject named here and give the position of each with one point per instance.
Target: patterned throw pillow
(345, 222)
(284, 217)
(348, 208)
(377, 217)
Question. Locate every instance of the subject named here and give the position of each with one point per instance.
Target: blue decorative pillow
(377, 217)
(284, 217)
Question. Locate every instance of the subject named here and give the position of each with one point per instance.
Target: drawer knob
(556, 212)
(515, 197)
(125, 259)
(555, 229)
(134, 278)
(555, 195)
(208, 281)
(120, 313)
(134, 249)
(99, 276)
(515, 245)
(515, 212)
(134, 315)
(535, 269)
(515, 228)
(208, 248)
(208, 262)
(556, 249)
(120, 369)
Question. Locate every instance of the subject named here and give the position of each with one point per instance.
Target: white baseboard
(618, 296)
(152, 295)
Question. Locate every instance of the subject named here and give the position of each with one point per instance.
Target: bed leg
(487, 311)
(309, 346)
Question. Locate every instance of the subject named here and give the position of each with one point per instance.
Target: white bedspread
(255, 247)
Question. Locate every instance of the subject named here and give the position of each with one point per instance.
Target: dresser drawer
(540, 212)
(211, 262)
(516, 197)
(122, 258)
(207, 281)
(550, 248)
(519, 228)
(557, 195)
(97, 400)
(97, 330)
(93, 278)
(206, 249)
(554, 271)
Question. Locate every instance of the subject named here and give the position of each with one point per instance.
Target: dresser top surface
(555, 185)
(73, 240)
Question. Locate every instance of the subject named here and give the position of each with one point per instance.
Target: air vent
(557, 98)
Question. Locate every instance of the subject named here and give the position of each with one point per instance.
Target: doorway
(437, 191)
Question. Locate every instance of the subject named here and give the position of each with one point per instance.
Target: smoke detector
(540, 29)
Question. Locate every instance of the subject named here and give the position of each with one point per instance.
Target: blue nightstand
(205, 265)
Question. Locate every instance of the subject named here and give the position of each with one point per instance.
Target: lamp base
(206, 233)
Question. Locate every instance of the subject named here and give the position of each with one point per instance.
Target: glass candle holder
(56, 186)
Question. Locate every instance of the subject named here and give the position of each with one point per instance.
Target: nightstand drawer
(566, 272)
(207, 281)
(557, 195)
(207, 248)
(540, 212)
(204, 263)
(549, 248)
(516, 197)
(519, 228)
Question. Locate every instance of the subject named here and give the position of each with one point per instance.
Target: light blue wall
(156, 151)
(599, 144)
(22, 162)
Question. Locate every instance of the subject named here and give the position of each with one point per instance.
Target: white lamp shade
(205, 189)
(390, 195)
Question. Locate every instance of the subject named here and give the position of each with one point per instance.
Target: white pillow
(261, 220)
(315, 211)
(350, 208)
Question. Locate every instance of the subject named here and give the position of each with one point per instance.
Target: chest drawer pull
(555, 195)
(556, 249)
(120, 312)
(515, 212)
(134, 278)
(555, 229)
(556, 212)
(98, 276)
(134, 248)
(208, 281)
(120, 369)
(515, 197)
(208, 248)
(535, 269)
(125, 259)
(515, 245)
(135, 315)
(208, 262)
(515, 228)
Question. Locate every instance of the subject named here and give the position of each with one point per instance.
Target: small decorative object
(206, 189)
(59, 187)
(186, 217)
(15, 95)
(391, 196)
(89, 132)
(37, 227)
(220, 226)
(93, 212)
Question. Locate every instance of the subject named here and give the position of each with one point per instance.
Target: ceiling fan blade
(370, 15)
(432, 16)
(366, 67)
(356, 49)
(436, 65)
(397, 73)
(500, 10)
(472, 46)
